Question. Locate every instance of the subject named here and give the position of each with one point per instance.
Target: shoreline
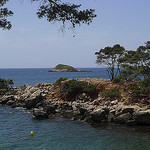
(46, 103)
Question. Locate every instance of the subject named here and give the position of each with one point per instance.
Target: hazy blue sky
(36, 43)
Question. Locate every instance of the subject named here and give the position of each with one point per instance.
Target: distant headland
(65, 68)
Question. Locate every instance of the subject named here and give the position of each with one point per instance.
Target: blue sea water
(59, 133)
(41, 75)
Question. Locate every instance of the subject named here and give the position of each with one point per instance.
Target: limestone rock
(142, 117)
(100, 115)
(39, 114)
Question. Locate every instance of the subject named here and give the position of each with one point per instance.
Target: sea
(16, 124)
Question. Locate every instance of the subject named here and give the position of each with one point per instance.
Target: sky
(36, 43)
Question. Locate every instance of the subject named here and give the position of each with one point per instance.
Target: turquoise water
(64, 134)
(59, 133)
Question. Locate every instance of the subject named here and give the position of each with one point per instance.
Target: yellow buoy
(31, 133)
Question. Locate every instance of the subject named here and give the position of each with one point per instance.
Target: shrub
(5, 85)
(73, 87)
(111, 93)
(61, 66)
(119, 79)
(58, 81)
(141, 87)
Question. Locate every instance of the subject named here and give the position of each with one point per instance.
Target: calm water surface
(64, 134)
(36, 75)
(58, 133)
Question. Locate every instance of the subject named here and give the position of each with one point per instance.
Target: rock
(65, 106)
(100, 115)
(111, 116)
(33, 100)
(18, 104)
(82, 97)
(142, 117)
(82, 110)
(38, 105)
(96, 102)
(123, 118)
(114, 102)
(123, 110)
(131, 123)
(128, 110)
(24, 87)
(10, 102)
(39, 114)
(50, 109)
(4, 99)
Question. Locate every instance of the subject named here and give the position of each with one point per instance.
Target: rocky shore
(46, 102)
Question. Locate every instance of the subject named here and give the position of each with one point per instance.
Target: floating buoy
(31, 133)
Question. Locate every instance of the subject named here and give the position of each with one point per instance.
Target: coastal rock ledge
(45, 103)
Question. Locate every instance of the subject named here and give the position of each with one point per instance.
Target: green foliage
(5, 85)
(136, 68)
(53, 10)
(58, 81)
(111, 93)
(61, 66)
(141, 87)
(73, 87)
(136, 63)
(129, 74)
(119, 79)
(4, 13)
(110, 56)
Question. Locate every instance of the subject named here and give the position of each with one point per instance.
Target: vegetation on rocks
(5, 86)
(131, 66)
(61, 66)
(111, 93)
(73, 87)
(58, 82)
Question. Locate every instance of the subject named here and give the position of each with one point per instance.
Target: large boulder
(33, 100)
(50, 109)
(123, 118)
(39, 114)
(100, 115)
(121, 114)
(142, 117)
(4, 99)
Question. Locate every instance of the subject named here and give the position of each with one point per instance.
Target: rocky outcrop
(45, 104)
(26, 96)
(122, 114)
(39, 114)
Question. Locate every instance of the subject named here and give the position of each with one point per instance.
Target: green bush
(141, 87)
(61, 66)
(111, 93)
(73, 87)
(5, 85)
(119, 79)
(58, 81)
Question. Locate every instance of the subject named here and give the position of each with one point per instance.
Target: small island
(65, 68)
